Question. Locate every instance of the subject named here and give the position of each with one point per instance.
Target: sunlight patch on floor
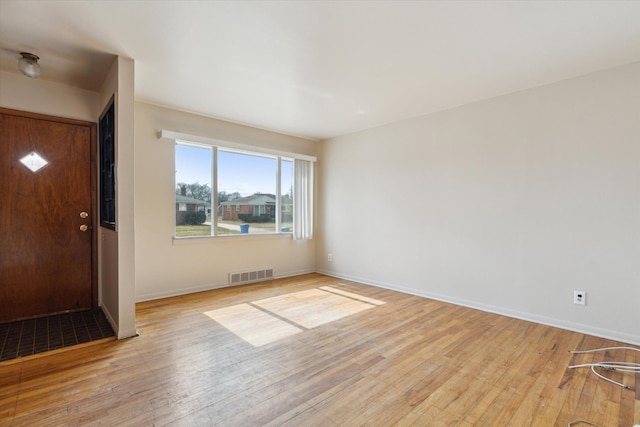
(252, 324)
(271, 319)
(351, 295)
(313, 307)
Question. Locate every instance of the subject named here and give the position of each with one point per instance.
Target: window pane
(286, 191)
(193, 191)
(246, 193)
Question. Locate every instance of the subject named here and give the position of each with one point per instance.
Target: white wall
(107, 238)
(116, 248)
(164, 268)
(40, 96)
(507, 205)
(125, 196)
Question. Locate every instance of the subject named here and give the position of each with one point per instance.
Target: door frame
(94, 185)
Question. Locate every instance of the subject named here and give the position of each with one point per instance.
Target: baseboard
(179, 291)
(208, 287)
(557, 323)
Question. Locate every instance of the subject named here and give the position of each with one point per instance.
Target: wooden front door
(46, 215)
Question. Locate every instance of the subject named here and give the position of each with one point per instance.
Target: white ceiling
(321, 69)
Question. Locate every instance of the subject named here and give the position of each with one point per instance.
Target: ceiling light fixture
(28, 64)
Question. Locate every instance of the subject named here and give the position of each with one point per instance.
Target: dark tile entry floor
(27, 337)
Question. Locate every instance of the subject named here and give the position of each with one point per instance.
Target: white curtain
(302, 199)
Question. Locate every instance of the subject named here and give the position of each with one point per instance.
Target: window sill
(204, 239)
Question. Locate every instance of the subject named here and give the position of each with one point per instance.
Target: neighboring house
(255, 205)
(186, 204)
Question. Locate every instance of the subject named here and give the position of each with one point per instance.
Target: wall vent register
(250, 276)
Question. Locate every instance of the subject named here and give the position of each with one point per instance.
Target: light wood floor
(318, 351)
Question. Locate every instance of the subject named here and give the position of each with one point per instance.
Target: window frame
(214, 145)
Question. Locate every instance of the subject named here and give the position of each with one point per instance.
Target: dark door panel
(45, 217)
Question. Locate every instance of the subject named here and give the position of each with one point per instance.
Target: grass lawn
(205, 230)
(200, 230)
(269, 225)
(193, 230)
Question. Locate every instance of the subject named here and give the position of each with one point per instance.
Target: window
(243, 191)
(286, 196)
(182, 207)
(107, 167)
(251, 178)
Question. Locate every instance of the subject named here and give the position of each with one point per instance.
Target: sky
(237, 172)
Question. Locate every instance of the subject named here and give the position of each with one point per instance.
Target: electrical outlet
(329, 257)
(580, 297)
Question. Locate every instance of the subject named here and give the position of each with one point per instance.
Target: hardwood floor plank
(369, 400)
(309, 417)
(363, 356)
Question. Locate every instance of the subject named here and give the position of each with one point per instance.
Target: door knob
(83, 227)
(83, 214)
